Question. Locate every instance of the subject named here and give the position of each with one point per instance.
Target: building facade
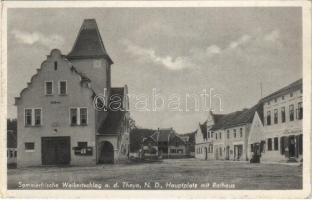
(225, 137)
(58, 122)
(280, 139)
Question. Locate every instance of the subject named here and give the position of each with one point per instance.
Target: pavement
(168, 174)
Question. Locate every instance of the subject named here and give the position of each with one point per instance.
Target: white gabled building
(57, 122)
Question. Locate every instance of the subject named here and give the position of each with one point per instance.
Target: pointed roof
(89, 43)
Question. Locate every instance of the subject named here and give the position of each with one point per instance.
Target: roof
(111, 125)
(237, 118)
(203, 128)
(89, 43)
(11, 139)
(287, 89)
(162, 135)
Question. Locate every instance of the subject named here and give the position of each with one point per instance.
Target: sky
(171, 52)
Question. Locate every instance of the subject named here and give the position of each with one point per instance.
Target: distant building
(203, 141)
(169, 143)
(11, 147)
(189, 139)
(140, 138)
(225, 136)
(57, 119)
(278, 136)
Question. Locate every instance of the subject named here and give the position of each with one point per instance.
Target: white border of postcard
(172, 194)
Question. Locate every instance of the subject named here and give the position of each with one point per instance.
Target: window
(299, 111)
(276, 143)
(283, 115)
(216, 136)
(15, 154)
(269, 118)
(73, 116)
(251, 148)
(291, 112)
(28, 117)
(37, 116)
(48, 87)
(29, 146)
(291, 94)
(268, 103)
(55, 65)
(241, 132)
(270, 144)
(62, 88)
(300, 144)
(208, 135)
(83, 116)
(220, 135)
(32, 116)
(275, 100)
(228, 135)
(11, 154)
(234, 133)
(283, 97)
(275, 116)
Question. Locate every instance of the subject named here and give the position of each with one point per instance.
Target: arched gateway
(106, 153)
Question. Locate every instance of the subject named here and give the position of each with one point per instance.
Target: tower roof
(89, 43)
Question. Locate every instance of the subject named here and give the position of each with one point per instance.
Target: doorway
(55, 150)
(106, 153)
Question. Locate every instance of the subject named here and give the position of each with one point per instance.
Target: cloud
(240, 41)
(30, 38)
(254, 44)
(213, 49)
(149, 55)
(272, 36)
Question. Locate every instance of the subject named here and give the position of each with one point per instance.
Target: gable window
(48, 87)
(37, 112)
(283, 115)
(269, 118)
(275, 116)
(29, 146)
(291, 112)
(241, 132)
(299, 111)
(78, 116)
(234, 133)
(28, 117)
(276, 143)
(270, 144)
(62, 88)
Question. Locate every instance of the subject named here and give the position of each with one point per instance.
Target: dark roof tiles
(89, 43)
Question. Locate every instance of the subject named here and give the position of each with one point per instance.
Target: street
(168, 174)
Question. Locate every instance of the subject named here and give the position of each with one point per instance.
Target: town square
(185, 102)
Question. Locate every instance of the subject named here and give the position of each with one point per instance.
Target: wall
(280, 129)
(55, 112)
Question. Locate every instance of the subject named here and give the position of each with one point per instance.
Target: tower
(90, 57)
